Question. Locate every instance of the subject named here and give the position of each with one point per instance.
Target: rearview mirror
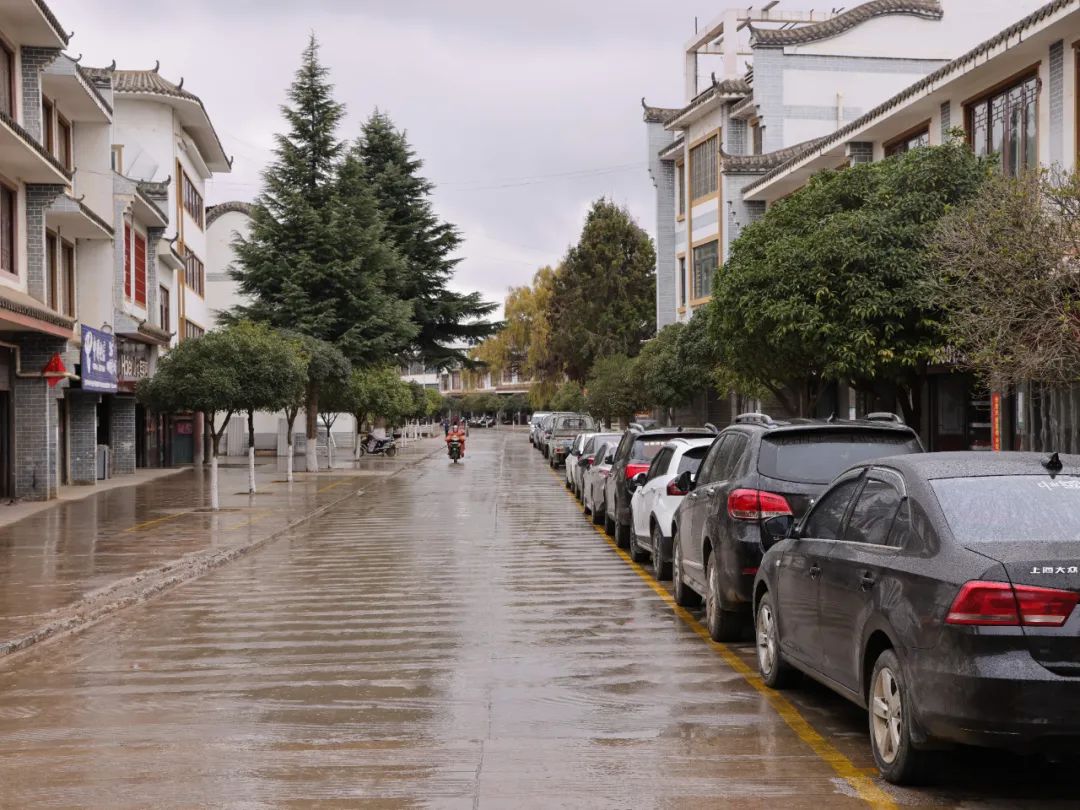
(685, 481)
(776, 529)
(638, 480)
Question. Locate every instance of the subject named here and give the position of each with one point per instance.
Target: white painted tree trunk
(215, 498)
(329, 451)
(288, 466)
(251, 470)
(312, 456)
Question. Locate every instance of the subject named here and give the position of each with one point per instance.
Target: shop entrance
(63, 468)
(960, 414)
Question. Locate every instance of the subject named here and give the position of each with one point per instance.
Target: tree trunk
(312, 417)
(290, 418)
(215, 441)
(251, 451)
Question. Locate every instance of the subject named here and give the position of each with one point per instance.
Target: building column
(39, 196)
(82, 411)
(122, 432)
(33, 60)
(35, 416)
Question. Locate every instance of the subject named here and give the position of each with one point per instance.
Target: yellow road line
(331, 486)
(857, 777)
(155, 521)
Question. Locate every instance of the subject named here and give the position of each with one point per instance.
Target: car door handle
(710, 491)
(866, 581)
(815, 571)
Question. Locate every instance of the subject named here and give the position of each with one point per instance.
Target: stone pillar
(152, 236)
(39, 197)
(122, 431)
(33, 60)
(35, 419)
(82, 412)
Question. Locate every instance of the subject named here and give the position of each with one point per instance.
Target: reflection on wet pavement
(457, 637)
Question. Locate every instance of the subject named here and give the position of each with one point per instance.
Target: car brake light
(754, 504)
(1004, 605)
(673, 488)
(590, 460)
(634, 469)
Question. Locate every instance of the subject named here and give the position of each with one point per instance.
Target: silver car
(581, 457)
(595, 480)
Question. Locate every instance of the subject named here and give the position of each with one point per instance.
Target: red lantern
(54, 370)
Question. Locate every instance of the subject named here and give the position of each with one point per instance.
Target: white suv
(656, 496)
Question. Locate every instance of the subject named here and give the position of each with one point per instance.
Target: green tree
(611, 392)
(327, 368)
(603, 296)
(434, 403)
(671, 369)
(832, 283)
(569, 397)
(317, 259)
(443, 318)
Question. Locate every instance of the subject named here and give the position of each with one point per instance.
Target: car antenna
(1053, 464)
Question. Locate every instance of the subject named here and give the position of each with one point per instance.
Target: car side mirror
(609, 459)
(685, 481)
(638, 480)
(777, 528)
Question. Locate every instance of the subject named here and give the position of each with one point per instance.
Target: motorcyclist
(456, 434)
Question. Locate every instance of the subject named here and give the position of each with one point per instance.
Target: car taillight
(754, 504)
(603, 473)
(1001, 604)
(673, 488)
(590, 460)
(634, 469)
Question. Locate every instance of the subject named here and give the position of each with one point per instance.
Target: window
(682, 281)
(127, 260)
(67, 277)
(905, 143)
(64, 143)
(164, 313)
(140, 269)
(874, 513)
(824, 522)
(731, 455)
(815, 457)
(703, 165)
(192, 330)
(47, 138)
(1006, 123)
(193, 201)
(118, 159)
(680, 188)
(709, 467)
(52, 269)
(194, 273)
(692, 459)
(659, 464)
(758, 135)
(705, 263)
(7, 81)
(8, 199)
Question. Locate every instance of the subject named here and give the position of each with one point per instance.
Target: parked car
(579, 462)
(938, 591)
(543, 432)
(756, 469)
(534, 424)
(594, 479)
(563, 430)
(634, 455)
(656, 495)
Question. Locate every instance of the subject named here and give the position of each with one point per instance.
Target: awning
(74, 220)
(22, 157)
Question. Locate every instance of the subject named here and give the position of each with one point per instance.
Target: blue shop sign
(98, 358)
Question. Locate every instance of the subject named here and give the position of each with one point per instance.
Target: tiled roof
(721, 88)
(929, 80)
(755, 164)
(143, 81)
(777, 37)
(33, 143)
(675, 146)
(215, 211)
(658, 115)
(47, 13)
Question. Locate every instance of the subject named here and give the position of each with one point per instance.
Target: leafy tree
(434, 402)
(610, 391)
(603, 296)
(317, 259)
(443, 318)
(327, 367)
(569, 397)
(200, 374)
(831, 284)
(517, 405)
(669, 371)
(372, 394)
(272, 375)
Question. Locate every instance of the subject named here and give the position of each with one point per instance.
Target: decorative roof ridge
(747, 164)
(93, 217)
(21, 131)
(845, 21)
(91, 85)
(658, 115)
(30, 311)
(47, 13)
(718, 87)
(671, 147)
(927, 81)
(155, 332)
(232, 206)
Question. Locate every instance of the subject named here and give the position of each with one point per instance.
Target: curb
(152, 582)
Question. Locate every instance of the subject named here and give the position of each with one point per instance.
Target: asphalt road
(458, 636)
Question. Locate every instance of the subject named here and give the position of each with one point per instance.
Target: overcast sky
(524, 112)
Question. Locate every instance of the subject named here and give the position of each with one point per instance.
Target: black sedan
(938, 591)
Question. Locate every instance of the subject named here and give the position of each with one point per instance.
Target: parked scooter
(453, 448)
(375, 446)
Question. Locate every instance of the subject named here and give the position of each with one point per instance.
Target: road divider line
(856, 777)
(147, 524)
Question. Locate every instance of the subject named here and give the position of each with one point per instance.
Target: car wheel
(391, 451)
(597, 515)
(890, 724)
(775, 671)
(724, 625)
(684, 597)
(637, 553)
(609, 524)
(623, 533)
(661, 568)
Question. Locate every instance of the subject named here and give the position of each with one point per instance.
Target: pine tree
(317, 260)
(427, 245)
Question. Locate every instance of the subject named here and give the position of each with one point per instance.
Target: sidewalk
(76, 559)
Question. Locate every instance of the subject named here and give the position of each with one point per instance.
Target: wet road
(459, 636)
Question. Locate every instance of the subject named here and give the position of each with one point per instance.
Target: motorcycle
(375, 447)
(453, 448)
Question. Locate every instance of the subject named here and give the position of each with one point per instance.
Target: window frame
(48, 135)
(710, 147)
(127, 261)
(65, 142)
(986, 98)
(695, 297)
(192, 201)
(875, 477)
(190, 327)
(680, 190)
(70, 298)
(7, 56)
(902, 143)
(52, 270)
(855, 480)
(194, 273)
(684, 283)
(660, 461)
(139, 273)
(12, 227)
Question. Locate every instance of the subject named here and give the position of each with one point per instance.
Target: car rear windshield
(645, 448)
(1011, 507)
(818, 457)
(692, 459)
(574, 424)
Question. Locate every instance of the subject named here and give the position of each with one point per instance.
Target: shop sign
(134, 364)
(98, 360)
(995, 421)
